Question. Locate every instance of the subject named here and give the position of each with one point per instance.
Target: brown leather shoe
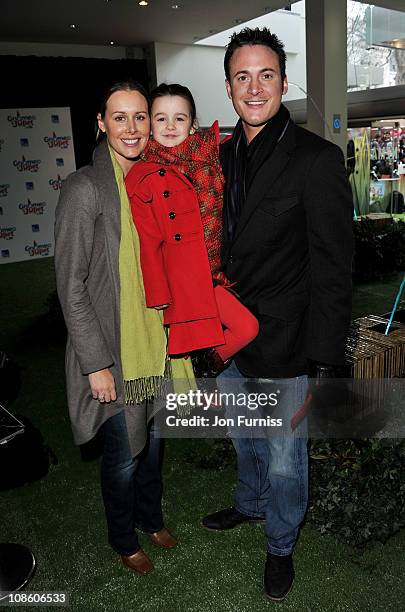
(139, 562)
(163, 538)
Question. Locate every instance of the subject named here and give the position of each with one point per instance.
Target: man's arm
(329, 207)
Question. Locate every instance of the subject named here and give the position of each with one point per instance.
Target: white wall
(62, 50)
(200, 69)
(283, 23)
(290, 28)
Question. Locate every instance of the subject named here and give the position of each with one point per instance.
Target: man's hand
(102, 385)
(331, 398)
(320, 371)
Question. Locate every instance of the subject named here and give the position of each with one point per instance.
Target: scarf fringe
(141, 389)
(138, 390)
(183, 411)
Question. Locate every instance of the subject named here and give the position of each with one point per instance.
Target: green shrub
(393, 246)
(378, 250)
(357, 488)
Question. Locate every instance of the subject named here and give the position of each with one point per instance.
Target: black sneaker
(278, 576)
(228, 519)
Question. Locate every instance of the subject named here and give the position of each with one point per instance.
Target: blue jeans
(273, 471)
(131, 488)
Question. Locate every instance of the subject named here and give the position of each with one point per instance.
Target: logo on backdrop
(5, 253)
(38, 250)
(54, 141)
(27, 165)
(32, 208)
(7, 233)
(25, 121)
(56, 184)
(1, 144)
(4, 190)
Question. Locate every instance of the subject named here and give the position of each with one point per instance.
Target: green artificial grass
(61, 517)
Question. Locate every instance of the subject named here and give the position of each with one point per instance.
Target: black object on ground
(17, 566)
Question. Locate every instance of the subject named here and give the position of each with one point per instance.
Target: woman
(116, 350)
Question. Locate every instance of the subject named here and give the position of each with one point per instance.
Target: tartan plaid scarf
(197, 158)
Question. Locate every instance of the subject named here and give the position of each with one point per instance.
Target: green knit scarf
(145, 364)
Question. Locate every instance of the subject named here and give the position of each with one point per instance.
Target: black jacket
(291, 256)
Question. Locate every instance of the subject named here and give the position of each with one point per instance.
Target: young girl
(176, 202)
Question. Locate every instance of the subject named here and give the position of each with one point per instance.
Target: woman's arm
(75, 218)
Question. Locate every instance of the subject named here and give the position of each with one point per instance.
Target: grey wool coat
(87, 240)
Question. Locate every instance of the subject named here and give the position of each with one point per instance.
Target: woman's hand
(161, 307)
(102, 385)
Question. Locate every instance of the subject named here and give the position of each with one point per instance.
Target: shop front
(376, 166)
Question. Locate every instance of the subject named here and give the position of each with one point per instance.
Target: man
(288, 249)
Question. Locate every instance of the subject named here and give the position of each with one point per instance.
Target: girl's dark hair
(127, 85)
(174, 89)
(258, 36)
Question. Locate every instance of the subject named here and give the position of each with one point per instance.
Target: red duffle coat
(174, 258)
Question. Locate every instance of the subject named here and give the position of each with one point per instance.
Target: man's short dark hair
(258, 36)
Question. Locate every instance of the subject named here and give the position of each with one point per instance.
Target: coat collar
(108, 199)
(106, 185)
(144, 169)
(267, 174)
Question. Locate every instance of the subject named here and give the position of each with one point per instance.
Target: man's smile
(256, 102)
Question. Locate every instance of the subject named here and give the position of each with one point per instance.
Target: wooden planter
(370, 354)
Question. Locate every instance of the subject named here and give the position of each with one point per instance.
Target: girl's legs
(241, 326)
